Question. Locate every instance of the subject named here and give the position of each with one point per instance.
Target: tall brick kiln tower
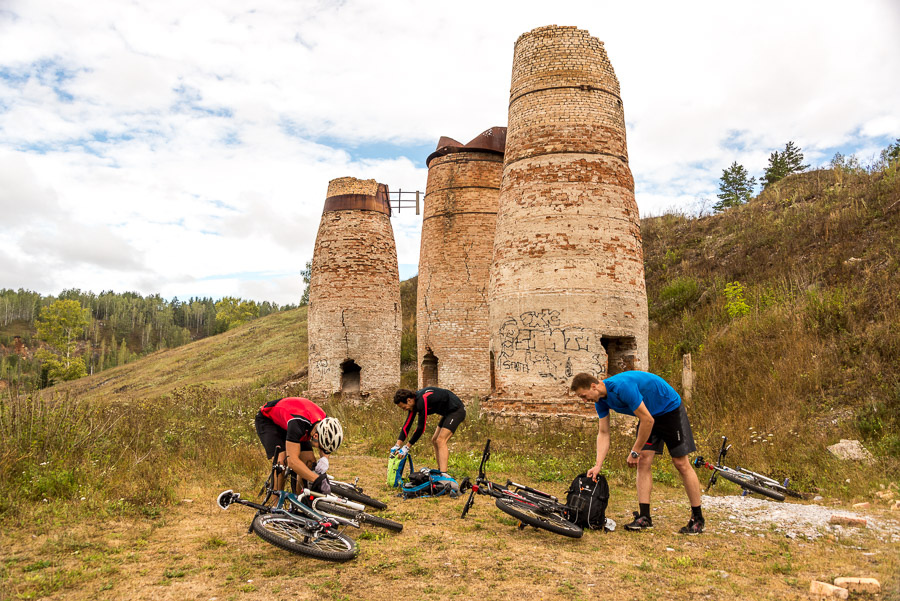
(454, 263)
(567, 281)
(354, 293)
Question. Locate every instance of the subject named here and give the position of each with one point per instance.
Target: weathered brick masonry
(567, 281)
(354, 293)
(457, 242)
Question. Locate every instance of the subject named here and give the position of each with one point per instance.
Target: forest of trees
(115, 329)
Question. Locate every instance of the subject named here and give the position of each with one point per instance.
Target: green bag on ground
(396, 463)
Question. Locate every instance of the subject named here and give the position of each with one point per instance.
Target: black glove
(321, 485)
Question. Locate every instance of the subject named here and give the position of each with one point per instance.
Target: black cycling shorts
(674, 429)
(272, 435)
(451, 421)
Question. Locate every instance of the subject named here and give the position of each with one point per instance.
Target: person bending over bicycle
(297, 425)
(663, 419)
(425, 402)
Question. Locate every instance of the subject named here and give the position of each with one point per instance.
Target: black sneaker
(641, 522)
(695, 526)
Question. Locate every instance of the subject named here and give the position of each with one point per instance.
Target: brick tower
(567, 280)
(354, 293)
(458, 225)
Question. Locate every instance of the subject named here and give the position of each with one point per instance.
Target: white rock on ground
(851, 450)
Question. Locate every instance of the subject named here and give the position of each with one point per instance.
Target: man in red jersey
(297, 425)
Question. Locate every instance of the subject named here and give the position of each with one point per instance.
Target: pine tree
(735, 188)
(783, 164)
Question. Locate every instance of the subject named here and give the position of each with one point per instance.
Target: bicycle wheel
(295, 537)
(360, 516)
(531, 515)
(748, 483)
(347, 491)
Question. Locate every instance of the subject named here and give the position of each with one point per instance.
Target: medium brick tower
(567, 281)
(458, 225)
(354, 293)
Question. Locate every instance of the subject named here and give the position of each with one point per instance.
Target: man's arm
(602, 447)
(294, 462)
(644, 429)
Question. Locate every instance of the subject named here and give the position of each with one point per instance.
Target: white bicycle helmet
(331, 434)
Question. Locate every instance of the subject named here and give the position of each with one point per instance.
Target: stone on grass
(859, 585)
(823, 590)
(851, 450)
(848, 520)
(863, 505)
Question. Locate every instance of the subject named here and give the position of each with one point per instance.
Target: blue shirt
(627, 390)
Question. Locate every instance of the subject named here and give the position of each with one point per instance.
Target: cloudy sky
(184, 148)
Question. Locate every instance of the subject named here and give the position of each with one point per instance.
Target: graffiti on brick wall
(536, 343)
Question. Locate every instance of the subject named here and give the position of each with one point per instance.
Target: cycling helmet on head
(331, 434)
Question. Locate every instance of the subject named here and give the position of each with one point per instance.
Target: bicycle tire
(547, 521)
(354, 495)
(752, 486)
(293, 536)
(360, 516)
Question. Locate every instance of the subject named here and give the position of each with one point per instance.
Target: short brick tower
(354, 294)
(454, 263)
(567, 291)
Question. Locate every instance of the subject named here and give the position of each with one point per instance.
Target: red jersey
(295, 415)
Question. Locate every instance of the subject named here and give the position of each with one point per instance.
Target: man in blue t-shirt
(663, 419)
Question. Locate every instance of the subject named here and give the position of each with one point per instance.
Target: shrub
(735, 303)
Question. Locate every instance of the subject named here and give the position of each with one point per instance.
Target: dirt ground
(196, 551)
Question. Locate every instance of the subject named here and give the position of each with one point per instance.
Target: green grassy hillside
(790, 307)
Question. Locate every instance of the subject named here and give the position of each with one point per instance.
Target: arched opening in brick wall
(350, 376)
(621, 353)
(429, 369)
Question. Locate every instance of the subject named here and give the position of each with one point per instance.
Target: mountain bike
(297, 521)
(530, 506)
(748, 480)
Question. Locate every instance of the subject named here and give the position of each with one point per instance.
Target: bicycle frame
(526, 494)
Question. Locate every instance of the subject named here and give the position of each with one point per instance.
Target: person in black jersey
(425, 402)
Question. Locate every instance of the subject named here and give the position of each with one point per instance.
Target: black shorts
(674, 429)
(272, 435)
(451, 421)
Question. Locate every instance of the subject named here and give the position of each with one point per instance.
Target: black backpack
(586, 501)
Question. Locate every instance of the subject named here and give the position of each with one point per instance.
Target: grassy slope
(816, 357)
(262, 351)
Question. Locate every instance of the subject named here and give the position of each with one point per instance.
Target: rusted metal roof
(490, 140)
(360, 202)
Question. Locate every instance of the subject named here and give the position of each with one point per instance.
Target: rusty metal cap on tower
(351, 194)
(490, 140)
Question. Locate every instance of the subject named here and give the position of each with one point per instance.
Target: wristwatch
(634, 455)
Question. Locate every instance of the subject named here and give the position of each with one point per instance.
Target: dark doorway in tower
(350, 376)
(429, 369)
(621, 353)
(493, 374)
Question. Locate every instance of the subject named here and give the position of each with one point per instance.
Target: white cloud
(192, 144)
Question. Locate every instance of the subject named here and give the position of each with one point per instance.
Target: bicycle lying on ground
(305, 522)
(746, 479)
(528, 505)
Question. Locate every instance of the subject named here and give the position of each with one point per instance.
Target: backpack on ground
(586, 501)
(396, 463)
(429, 483)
